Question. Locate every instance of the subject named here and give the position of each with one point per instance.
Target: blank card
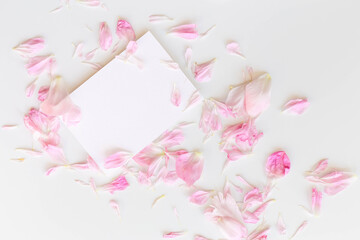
(127, 107)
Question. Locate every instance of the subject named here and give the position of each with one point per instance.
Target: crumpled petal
(175, 96)
(200, 197)
(40, 64)
(105, 36)
(316, 198)
(233, 48)
(278, 164)
(125, 31)
(58, 103)
(296, 106)
(186, 31)
(30, 47)
(117, 159)
(203, 71)
(189, 166)
(119, 184)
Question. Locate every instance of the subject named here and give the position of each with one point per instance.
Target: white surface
(124, 107)
(310, 48)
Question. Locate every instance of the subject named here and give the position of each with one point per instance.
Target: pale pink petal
(90, 55)
(234, 154)
(253, 196)
(118, 184)
(30, 47)
(175, 96)
(51, 170)
(236, 100)
(9, 126)
(244, 181)
(296, 106)
(42, 93)
(233, 48)
(170, 177)
(92, 164)
(105, 36)
(198, 237)
(125, 31)
(316, 198)
(143, 178)
(159, 18)
(257, 95)
(299, 229)
(203, 71)
(114, 205)
(78, 50)
(55, 153)
(117, 159)
(209, 120)
(281, 225)
(170, 64)
(58, 103)
(95, 66)
(200, 197)
(194, 98)
(189, 166)
(172, 234)
(148, 155)
(30, 88)
(170, 138)
(131, 48)
(320, 167)
(232, 228)
(186, 31)
(258, 234)
(40, 64)
(278, 164)
(90, 3)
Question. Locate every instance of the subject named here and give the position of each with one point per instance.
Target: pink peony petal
(258, 234)
(55, 153)
(281, 225)
(203, 71)
(58, 103)
(232, 228)
(40, 64)
(30, 47)
(189, 166)
(114, 205)
(172, 234)
(119, 184)
(320, 167)
(170, 138)
(194, 98)
(43, 92)
(30, 88)
(233, 48)
(186, 31)
(296, 106)
(159, 18)
(117, 159)
(278, 164)
(198, 237)
(125, 31)
(105, 36)
(170, 64)
(200, 197)
(78, 50)
(90, 55)
(316, 198)
(257, 95)
(188, 56)
(92, 164)
(175, 96)
(149, 155)
(90, 3)
(209, 120)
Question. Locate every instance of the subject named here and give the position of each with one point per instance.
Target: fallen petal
(278, 164)
(296, 106)
(105, 36)
(203, 71)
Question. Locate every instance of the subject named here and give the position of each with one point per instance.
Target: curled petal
(189, 166)
(43, 92)
(125, 31)
(30, 47)
(296, 106)
(105, 36)
(186, 31)
(203, 71)
(278, 164)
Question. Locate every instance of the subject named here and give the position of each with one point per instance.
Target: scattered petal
(30, 47)
(105, 36)
(43, 92)
(257, 95)
(186, 31)
(189, 166)
(78, 50)
(114, 205)
(202, 72)
(90, 55)
(233, 48)
(188, 56)
(30, 88)
(119, 184)
(172, 234)
(200, 197)
(175, 96)
(320, 167)
(278, 164)
(93, 65)
(170, 138)
(281, 225)
(40, 64)
(90, 3)
(296, 106)
(194, 98)
(125, 31)
(198, 237)
(159, 18)
(316, 198)
(170, 64)
(209, 120)
(117, 159)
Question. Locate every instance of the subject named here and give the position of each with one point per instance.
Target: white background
(310, 48)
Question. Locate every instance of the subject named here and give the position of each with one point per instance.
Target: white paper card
(124, 107)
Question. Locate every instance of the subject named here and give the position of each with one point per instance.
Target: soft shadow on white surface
(310, 48)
